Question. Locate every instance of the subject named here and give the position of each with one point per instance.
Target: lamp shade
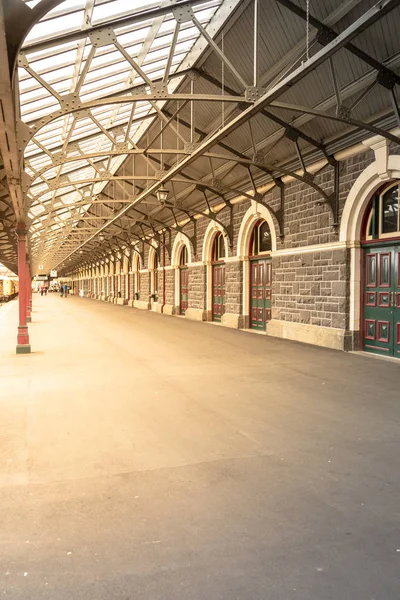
(162, 195)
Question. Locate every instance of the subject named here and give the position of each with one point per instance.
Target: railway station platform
(152, 457)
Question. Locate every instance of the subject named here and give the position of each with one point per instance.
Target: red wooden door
(381, 301)
(260, 293)
(184, 289)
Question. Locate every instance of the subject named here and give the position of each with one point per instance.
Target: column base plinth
(23, 336)
(23, 349)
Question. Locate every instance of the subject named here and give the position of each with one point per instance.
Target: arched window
(136, 275)
(261, 239)
(218, 250)
(382, 215)
(183, 260)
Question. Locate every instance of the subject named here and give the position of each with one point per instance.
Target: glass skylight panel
(63, 74)
(93, 95)
(204, 15)
(118, 9)
(44, 102)
(107, 71)
(52, 62)
(66, 6)
(65, 216)
(45, 30)
(106, 82)
(36, 210)
(138, 35)
(28, 97)
(38, 114)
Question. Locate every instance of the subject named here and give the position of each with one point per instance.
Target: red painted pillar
(23, 345)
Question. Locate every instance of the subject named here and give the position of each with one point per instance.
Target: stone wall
(233, 287)
(144, 291)
(197, 287)
(170, 287)
(311, 288)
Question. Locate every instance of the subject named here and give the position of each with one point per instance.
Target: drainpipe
(163, 281)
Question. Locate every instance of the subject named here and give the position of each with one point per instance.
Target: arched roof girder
(27, 134)
(131, 152)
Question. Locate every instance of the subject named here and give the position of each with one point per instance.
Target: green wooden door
(381, 301)
(260, 293)
(218, 291)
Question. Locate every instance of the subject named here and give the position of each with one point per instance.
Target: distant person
(65, 290)
(42, 290)
(45, 290)
(61, 291)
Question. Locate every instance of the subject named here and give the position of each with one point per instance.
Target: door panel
(396, 302)
(218, 292)
(260, 293)
(184, 291)
(381, 301)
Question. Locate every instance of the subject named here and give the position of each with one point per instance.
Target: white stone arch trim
(361, 193)
(212, 229)
(363, 189)
(136, 268)
(136, 261)
(252, 216)
(151, 265)
(125, 265)
(180, 240)
(254, 213)
(152, 258)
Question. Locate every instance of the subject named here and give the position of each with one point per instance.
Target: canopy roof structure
(206, 100)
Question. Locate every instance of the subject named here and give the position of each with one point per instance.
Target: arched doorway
(153, 269)
(218, 277)
(183, 280)
(380, 281)
(260, 276)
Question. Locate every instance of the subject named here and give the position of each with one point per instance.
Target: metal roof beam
(326, 34)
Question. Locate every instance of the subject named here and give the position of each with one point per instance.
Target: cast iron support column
(28, 293)
(23, 345)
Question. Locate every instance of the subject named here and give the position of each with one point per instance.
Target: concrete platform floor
(146, 457)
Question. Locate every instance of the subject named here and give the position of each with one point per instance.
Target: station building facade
(283, 268)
